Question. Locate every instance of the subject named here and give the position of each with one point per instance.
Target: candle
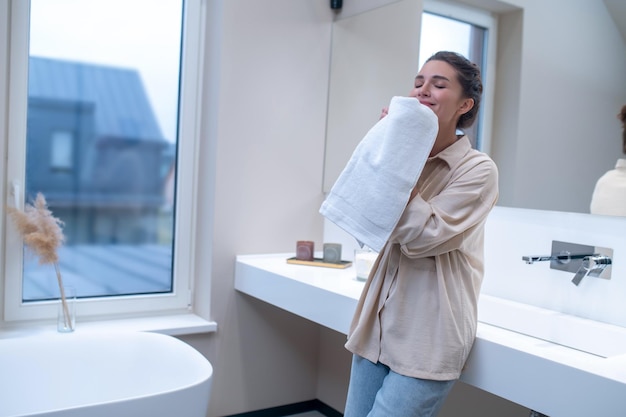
(363, 262)
(305, 250)
(332, 252)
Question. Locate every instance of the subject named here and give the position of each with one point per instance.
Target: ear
(466, 105)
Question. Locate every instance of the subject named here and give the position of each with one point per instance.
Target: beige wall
(265, 110)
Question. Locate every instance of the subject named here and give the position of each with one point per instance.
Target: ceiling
(617, 9)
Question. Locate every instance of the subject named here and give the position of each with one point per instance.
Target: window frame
(14, 54)
(489, 21)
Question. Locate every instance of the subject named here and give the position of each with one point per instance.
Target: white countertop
(546, 377)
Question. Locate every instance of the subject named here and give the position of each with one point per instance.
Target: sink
(600, 339)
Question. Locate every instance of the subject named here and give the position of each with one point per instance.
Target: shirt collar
(453, 153)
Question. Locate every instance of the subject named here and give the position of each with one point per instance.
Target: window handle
(15, 191)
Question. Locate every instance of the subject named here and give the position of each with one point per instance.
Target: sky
(443, 34)
(140, 34)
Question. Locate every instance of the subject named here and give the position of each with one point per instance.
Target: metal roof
(122, 108)
(96, 270)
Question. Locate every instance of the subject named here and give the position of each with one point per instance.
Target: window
(61, 150)
(470, 32)
(97, 112)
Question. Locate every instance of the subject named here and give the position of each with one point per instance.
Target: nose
(418, 92)
(423, 90)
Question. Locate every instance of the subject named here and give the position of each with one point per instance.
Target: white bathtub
(102, 375)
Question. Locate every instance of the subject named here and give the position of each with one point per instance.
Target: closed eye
(438, 81)
(440, 86)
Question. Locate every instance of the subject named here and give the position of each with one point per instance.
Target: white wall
(513, 233)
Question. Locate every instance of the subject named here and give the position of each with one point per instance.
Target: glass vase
(66, 310)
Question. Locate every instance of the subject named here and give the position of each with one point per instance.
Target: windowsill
(172, 325)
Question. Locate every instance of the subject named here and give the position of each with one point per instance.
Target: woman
(416, 320)
(609, 194)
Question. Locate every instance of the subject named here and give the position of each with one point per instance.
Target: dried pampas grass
(42, 234)
(40, 230)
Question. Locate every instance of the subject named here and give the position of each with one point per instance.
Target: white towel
(373, 189)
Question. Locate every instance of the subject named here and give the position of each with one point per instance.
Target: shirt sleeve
(436, 226)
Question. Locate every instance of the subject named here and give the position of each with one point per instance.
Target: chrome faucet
(562, 258)
(582, 260)
(592, 266)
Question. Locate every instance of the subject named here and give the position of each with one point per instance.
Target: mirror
(371, 60)
(558, 88)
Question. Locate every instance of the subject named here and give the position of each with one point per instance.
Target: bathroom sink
(600, 339)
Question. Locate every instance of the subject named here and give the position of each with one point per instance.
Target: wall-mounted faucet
(582, 260)
(591, 266)
(563, 258)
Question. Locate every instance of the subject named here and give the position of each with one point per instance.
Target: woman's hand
(384, 112)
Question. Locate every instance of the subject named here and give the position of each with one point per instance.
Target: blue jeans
(377, 391)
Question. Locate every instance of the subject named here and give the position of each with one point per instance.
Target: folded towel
(373, 189)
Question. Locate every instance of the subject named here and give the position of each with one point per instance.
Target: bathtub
(102, 375)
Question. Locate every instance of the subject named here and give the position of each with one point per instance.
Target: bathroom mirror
(370, 58)
(557, 92)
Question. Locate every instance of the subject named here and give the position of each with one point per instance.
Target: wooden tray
(320, 262)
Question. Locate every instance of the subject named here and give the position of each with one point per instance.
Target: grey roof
(122, 108)
(99, 270)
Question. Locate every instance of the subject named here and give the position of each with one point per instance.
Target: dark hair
(469, 76)
(622, 117)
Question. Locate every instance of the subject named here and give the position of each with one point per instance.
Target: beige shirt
(418, 310)
(609, 194)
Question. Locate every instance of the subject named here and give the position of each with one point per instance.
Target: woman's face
(437, 86)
